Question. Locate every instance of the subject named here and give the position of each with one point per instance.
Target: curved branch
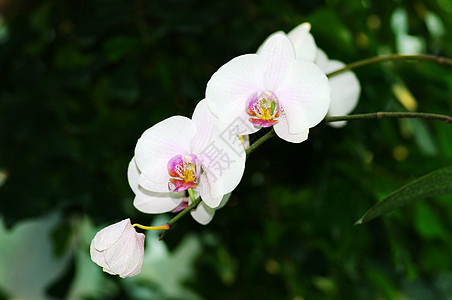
(392, 115)
(260, 141)
(383, 58)
(176, 218)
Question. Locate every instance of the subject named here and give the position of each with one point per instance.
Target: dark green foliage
(436, 183)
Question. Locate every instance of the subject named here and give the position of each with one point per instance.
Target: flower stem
(256, 144)
(176, 218)
(190, 193)
(382, 58)
(185, 211)
(392, 115)
(163, 227)
(368, 116)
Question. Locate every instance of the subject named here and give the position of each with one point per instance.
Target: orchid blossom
(154, 203)
(345, 87)
(178, 154)
(119, 249)
(270, 88)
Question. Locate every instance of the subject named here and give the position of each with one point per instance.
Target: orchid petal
(210, 191)
(233, 84)
(259, 50)
(205, 121)
(304, 96)
(105, 238)
(156, 203)
(157, 146)
(97, 256)
(138, 257)
(282, 130)
(278, 53)
(321, 60)
(132, 175)
(224, 200)
(223, 161)
(241, 125)
(183, 205)
(345, 90)
(151, 202)
(125, 254)
(203, 214)
(303, 42)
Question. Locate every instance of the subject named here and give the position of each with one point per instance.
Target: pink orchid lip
(263, 109)
(184, 171)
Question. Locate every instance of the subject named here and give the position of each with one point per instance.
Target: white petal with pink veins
(303, 42)
(157, 146)
(233, 84)
(105, 238)
(126, 254)
(304, 96)
(282, 130)
(278, 53)
(205, 122)
(210, 190)
(203, 214)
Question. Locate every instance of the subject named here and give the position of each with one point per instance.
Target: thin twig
(260, 141)
(383, 58)
(393, 115)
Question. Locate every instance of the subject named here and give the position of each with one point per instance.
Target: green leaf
(436, 183)
(28, 265)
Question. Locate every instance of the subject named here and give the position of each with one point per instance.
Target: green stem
(185, 211)
(368, 116)
(191, 194)
(256, 144)
(393, 115)
(382, 58)
(176, 218)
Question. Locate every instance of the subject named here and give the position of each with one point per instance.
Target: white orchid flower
(179, 153)
(270, 88)
(154, 203)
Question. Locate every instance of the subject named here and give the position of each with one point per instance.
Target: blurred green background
(81, 80)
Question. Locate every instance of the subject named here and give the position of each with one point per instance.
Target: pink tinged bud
(119, 249)
(183, 205)
(263, 109)
(184, 171)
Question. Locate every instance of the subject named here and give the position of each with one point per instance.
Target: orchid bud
(119, 249)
